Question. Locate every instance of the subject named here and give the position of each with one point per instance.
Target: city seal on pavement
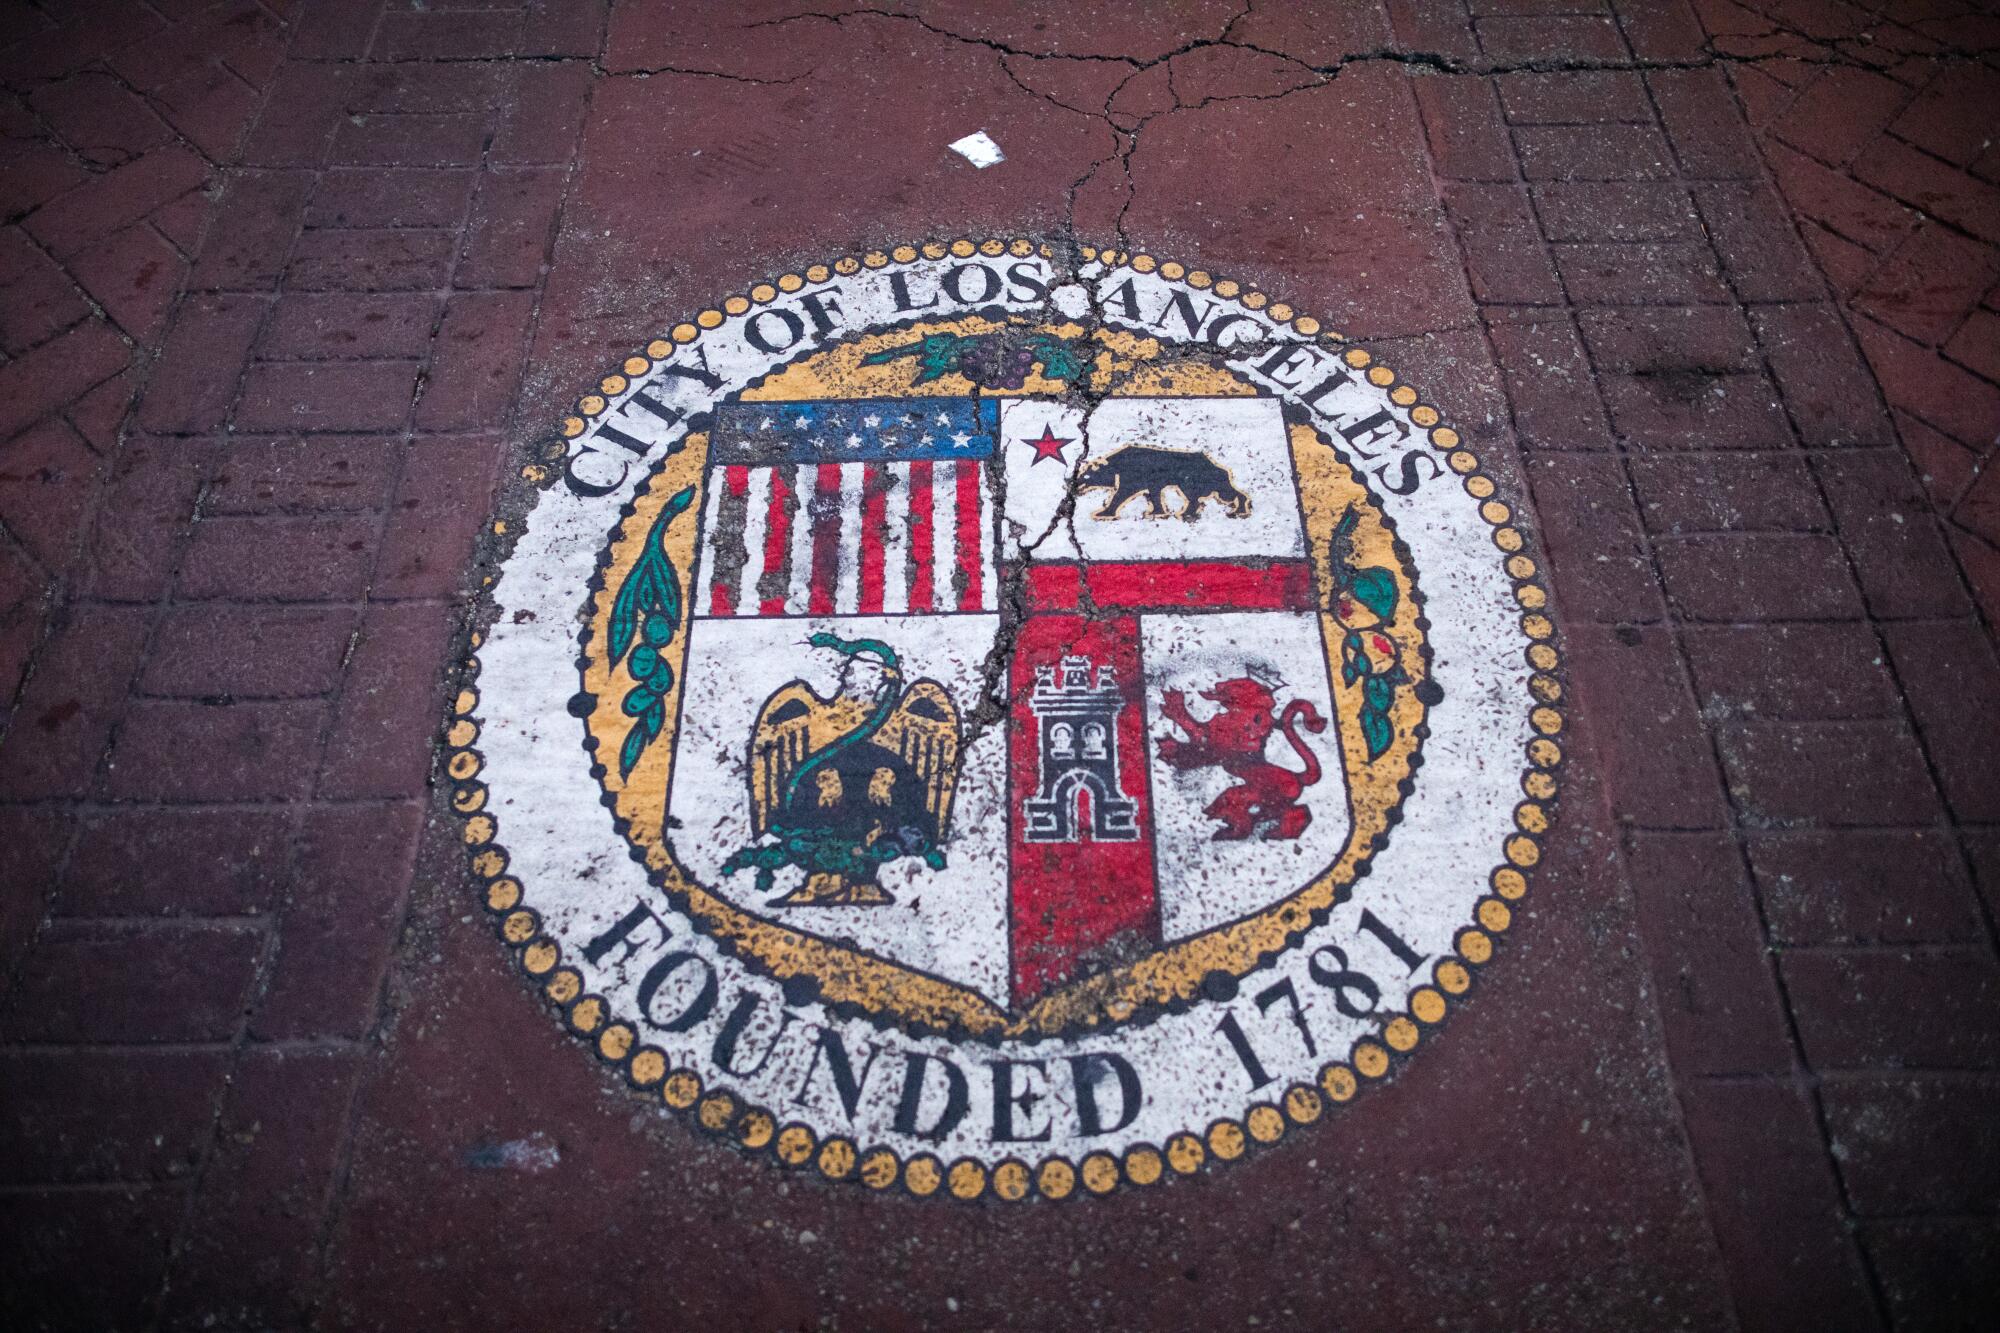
(997, 719)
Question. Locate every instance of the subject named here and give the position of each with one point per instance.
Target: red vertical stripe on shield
(874, 513)
(722, 591)
(969, 564)
(1083, 889)
(777, 543)
(825, 541)
(923, 536)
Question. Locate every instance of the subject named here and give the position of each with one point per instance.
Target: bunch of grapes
(996, 363)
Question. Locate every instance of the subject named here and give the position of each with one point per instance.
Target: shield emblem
(1005, 712)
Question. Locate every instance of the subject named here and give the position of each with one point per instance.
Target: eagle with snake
(842, 786)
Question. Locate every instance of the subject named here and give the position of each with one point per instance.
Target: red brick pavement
(1879, 129)
(286, 285)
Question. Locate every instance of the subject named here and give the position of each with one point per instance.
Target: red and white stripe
(873, 538)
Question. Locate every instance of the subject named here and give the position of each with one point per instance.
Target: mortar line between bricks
(1985, 459)
(352, 359)
(1946, 514)
(1872, 1275)
(1813, 467)
(161, 603)
(1841, 169)
(1791, 825)
(1607, 807)
(1779, 622)
(1851, 1075)
(1845, 172)
(115, 805)
(1751, 454)
(100, 807)
(335, 436)
(62, 601)
(186, 252)
(293, 603)
(253, 993)
(336, 1196)
(235, 697)
(1895, 1073)
(1709, 535)
(1683, 676)
(93, 311)
(219, 1046)
(339, 695)
(1877, 1219)
(1683, 671)
(237, 921)
(284, 603)
(104, 67)
(33, 1189)
(1513, 124)
(1954, 827)
(1888, 258)
(1890, 1074)
(1804, 1076)
(1925, 948)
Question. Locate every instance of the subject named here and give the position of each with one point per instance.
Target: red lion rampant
(1233, 740)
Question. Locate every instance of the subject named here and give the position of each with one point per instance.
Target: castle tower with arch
(1077, 728)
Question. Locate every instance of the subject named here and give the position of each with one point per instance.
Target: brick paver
(285, 287)
(1886, 160)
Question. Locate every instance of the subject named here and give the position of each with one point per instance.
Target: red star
(1048, 446)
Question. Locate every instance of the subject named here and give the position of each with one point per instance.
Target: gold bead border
(722, 1113)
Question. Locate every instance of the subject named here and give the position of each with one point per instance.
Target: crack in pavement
(647, 71)
(1435, 61)
(1127, 128)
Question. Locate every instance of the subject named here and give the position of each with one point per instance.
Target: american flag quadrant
(850, 507)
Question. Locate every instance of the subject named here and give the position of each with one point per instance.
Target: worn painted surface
(1045, 719)
(288, 289)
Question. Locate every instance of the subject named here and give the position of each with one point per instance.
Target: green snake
(885, 702)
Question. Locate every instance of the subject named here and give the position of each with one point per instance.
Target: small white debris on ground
(979, 149)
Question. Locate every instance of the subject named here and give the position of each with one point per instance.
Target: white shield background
(1205, 883)
(951, 923)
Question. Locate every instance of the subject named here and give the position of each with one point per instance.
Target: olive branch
(1378, 692)
(1373, 587)
(648, 608)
